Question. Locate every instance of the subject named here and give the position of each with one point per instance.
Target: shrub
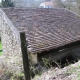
(7, 3)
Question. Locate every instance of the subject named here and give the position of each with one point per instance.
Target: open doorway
(0, 47)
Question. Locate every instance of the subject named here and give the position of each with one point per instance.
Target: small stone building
(47, 31)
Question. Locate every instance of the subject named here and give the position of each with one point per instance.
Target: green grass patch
(0, 48)
(0, 45)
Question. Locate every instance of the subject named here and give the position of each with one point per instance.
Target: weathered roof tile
(46, 28)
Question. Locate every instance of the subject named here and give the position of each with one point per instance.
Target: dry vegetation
(70, 72)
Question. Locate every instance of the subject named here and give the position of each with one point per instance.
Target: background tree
(7, 3)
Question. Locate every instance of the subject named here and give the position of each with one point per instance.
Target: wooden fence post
(25, 56)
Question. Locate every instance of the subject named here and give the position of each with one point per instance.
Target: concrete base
(33, 58)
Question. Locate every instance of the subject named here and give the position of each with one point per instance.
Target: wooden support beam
(25, 56)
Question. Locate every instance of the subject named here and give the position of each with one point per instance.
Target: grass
(0, 48)
(14, 76)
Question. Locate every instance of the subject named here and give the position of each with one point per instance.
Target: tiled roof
(46, 28)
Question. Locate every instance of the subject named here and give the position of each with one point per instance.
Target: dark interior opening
(64, 61)
(61, 63)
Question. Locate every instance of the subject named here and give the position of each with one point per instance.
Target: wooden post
(25, 56)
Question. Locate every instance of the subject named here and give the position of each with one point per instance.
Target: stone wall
(11, 44)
